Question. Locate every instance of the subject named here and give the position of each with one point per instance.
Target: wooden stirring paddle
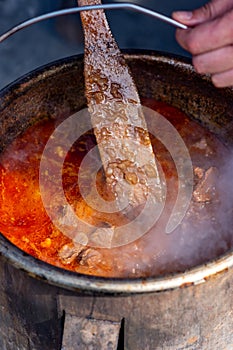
(119, 124)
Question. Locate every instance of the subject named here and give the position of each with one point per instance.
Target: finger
(224, 79)
(216, 61)
(211, 10)
(207, 36)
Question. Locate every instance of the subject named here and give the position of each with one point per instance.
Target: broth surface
(203, 234)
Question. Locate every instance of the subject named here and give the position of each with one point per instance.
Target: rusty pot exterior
(43, 307)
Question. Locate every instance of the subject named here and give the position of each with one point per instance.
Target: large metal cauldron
(46, 308)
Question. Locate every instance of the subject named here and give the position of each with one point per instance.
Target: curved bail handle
(82, 333)
(113, 6)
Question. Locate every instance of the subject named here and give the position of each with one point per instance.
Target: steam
(205, 232)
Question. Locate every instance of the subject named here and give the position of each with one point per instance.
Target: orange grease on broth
(24, 220)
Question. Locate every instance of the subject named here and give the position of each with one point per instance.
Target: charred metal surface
(50, 92)
(173, 80)
(34, 295)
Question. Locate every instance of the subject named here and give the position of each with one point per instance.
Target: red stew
(25, 223)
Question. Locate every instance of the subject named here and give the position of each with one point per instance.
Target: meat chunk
(205, 190)
(69, 252)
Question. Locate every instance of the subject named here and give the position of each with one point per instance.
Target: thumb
(211, 10)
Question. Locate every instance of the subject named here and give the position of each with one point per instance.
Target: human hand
(210, 39)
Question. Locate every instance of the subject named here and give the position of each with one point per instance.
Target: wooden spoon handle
(115, 109)
(104, 63)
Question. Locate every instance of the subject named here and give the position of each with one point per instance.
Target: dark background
(62, 37)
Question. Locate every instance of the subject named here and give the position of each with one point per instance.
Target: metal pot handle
(82, 333)
(73, 10)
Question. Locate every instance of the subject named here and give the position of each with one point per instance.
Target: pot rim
(91, 284)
